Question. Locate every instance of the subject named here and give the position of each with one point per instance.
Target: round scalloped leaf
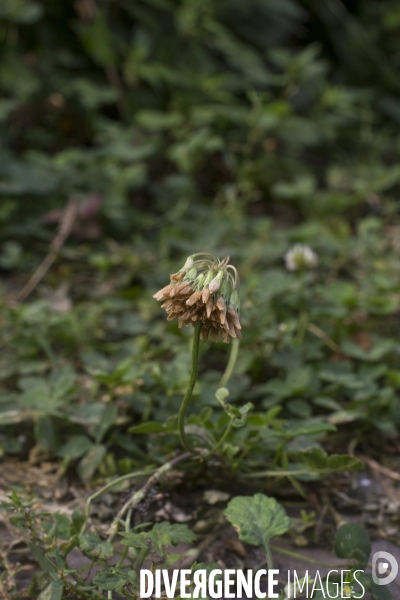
(352, 541)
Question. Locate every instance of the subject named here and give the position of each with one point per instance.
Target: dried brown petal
(233, 316)
(205, 294)
(163, 293)
(204, 333)
(209, 307)
(231, 330)
(214, 334)
(194, 298)
(177, 288)
(221, 303)
(167, 304)
(186, 290)
(178, 276)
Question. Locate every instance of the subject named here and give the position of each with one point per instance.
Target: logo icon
(381, 561)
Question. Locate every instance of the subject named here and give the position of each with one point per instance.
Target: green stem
(192, 381)
(268, 554)
(224, 380)
(278, 473)
(123, 557)
(221, 440)
(139, 495)
(299, 556)
(141, 555)
(302, 327)
(107, 487)
(303, 316)
(231, 363)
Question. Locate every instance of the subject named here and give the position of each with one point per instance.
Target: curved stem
(139, 495)
(106, 487)
(231, 363)
(192, 381)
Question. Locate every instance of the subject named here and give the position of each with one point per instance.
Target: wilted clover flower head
(300, 257)
(205, 289)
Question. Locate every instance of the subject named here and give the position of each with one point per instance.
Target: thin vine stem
(231, 363)
(192, 381)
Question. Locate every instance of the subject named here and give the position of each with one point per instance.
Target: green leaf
(107, 419)
(160, 537)
(89, 463)
(344, 462)
(261, 420)
(91, 545)
(77, 520)
(377, 352)
(20, 11)
(156, 120)
(178, 533)
(45, 433)
(317, 459)
(41, 558)
(75, 447)
(300, 408)
(381, 592)
(108, 581)
(54, 591)
(62, 381)
(149, 427)
(299, 379)
(311, 429)
(352, 542)
(257, 519)
(241, 414)
(135, 540)
(97, 39)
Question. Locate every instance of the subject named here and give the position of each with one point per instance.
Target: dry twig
(66, 223)
(138, 496)
(375, 466)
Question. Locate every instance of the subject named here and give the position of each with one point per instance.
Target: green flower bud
(199, 282)
(225, 289)
(216, 282)
(208, 279)
(191, 274)
(188, 264)
(234, 300)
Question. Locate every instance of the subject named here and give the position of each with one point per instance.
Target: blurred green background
(165, 108)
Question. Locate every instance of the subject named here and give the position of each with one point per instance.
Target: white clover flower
(300, 257)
